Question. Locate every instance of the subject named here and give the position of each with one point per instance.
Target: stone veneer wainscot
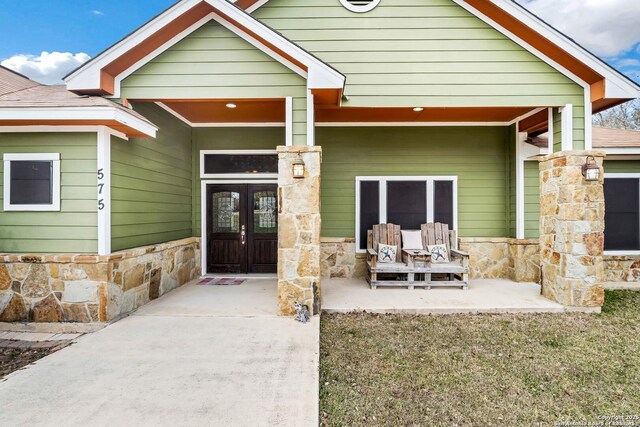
(91, 288)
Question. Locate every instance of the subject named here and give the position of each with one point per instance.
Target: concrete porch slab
(201, 355)
(483, 296)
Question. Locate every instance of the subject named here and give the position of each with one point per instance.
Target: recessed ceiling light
(418, 109)
(230, 105)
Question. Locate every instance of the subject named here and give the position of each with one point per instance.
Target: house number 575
(100, 189)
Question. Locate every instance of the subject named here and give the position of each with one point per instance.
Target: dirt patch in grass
(481, 370)
(12, 359)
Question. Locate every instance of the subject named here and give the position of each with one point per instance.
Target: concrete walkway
(483, 296)
(201, 355)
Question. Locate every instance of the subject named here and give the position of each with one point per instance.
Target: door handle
(242, 234)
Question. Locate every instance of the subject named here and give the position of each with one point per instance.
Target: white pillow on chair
(412, 239)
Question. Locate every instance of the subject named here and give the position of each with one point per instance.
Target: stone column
(299, 230)
(571, 230)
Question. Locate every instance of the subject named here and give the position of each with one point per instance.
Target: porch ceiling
(196, 112)
(444, 114)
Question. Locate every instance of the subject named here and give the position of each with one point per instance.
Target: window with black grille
(405, 201)
(31, 181)
(237, 163)
(622, 214)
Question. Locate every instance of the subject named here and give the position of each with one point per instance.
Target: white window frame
(383, 180)
(55, 181)
(360, 9)
(204, 175)
(622, 176)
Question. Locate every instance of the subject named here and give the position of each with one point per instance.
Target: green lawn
(481, 370)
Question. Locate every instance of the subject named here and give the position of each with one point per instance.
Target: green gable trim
(75, 228)
(420, 52)
(214, 63)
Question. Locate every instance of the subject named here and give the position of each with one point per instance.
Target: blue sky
(32, 26)
(78, 29)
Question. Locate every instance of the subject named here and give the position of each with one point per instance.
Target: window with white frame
(622, 212)
(31, 181)
(360, 6)
(408, 201)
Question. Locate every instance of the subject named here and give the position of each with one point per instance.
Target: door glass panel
(226, 212)
(265, 217)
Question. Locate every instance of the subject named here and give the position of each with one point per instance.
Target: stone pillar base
(571, 230)
(299, 230)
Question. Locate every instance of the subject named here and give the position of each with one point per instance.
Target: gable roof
(11, 81)
(103, 74)
(562, 52)
(607, 86)
(615, 138)
(603, 138)
(26, 102)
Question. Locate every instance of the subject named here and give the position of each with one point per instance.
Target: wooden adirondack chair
(438, 234)
(389, 274)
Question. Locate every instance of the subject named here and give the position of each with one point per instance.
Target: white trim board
(410, 124)
(203, 210)
(566, 114)
(103, 188)
(54, 158)
(79, 113)
(382, 192)
(60, 129)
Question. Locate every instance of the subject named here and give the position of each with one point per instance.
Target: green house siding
(74, 228)
(151, 184)
(477, 156)
(622, 166)
(214, 63)
(264, 138)
(420, 52)
(531, 199)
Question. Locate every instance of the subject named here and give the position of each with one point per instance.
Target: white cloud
(628, 62)
(97, 12)
(47, 68)
(605, 27)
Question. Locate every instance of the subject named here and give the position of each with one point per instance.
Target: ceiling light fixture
(418, 109)
(230, 105)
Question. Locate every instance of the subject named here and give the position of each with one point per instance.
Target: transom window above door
(238, 164)
(408, 201)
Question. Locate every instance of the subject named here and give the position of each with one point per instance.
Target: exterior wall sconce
(591, 170)
(298, 168)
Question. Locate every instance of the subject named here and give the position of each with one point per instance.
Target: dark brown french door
(242, 228)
